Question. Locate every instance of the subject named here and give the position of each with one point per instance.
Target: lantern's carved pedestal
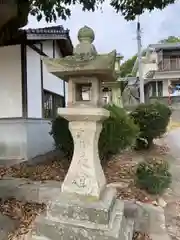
(77, 218)
(85, 175)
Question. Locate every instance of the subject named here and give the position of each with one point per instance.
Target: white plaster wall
(51, 82)
(39, 140)
(12, 139)
(34, 83)
(146, 67)
(10, 82)
(152, 56)
(23, 139)
(167, 75)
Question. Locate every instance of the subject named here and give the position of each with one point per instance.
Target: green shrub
(62, 136)
(152, 120)
(118, 132)
(153, 176)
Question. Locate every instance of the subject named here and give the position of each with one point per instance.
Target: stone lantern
(85, 208)
(85, 71)
(119, 57)
(113, 87)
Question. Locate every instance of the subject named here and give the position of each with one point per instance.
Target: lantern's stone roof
(85, 60)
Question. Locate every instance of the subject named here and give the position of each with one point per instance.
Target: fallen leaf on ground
(49, 170)
(140, 236)
(133, 193)
(23, 212)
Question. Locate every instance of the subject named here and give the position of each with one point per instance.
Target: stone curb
(164, 236)
(148, 219)
(26, 190)
(6, 225)
(56, 153)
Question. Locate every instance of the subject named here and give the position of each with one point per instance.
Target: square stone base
(72, 217)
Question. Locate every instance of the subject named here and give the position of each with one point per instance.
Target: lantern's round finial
(86, 34)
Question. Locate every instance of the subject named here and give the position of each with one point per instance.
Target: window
(160, 56)
(52, 102)
(153, 85)
(160, 88)
(175, 85)
(106, 95)
(156, 89)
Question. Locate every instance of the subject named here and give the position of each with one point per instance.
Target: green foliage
(123, 85)
(61, 8)
(118, 132)
(153, 176)
(127, 66)
(152, 120)
(170, 39)
(125, 71)
(62, 136)
(54, 9)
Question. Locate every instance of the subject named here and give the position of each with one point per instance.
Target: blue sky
(113, 32)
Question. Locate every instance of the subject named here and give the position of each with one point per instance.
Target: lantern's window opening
(83, 92)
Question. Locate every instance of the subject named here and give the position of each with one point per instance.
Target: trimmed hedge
(153, 176)
(152, 120)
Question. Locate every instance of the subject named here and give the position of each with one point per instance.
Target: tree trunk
(7, 12)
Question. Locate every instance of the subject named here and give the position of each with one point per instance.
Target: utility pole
(141, 80)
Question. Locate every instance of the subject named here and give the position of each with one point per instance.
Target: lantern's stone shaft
(85, 175)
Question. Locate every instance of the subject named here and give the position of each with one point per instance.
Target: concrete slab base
(77, 218)
(7, 225)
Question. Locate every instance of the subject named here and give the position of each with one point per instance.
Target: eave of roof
(169, 46)
(57, 33)
(54, 32)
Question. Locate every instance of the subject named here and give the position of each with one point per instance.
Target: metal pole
(141, 80)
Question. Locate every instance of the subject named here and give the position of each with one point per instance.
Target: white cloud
(113, 32)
